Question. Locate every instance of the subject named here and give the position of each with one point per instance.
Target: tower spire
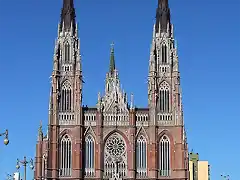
(162, 16)
(112, 60)
(68, 16)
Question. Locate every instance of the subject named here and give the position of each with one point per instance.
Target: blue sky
(208, 39)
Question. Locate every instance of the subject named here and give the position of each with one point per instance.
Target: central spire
(112, 60)
(68, 15)
(162, 16)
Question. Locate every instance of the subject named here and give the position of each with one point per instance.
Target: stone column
(54, 131)
(38, 161)
(132, 147)
(99, 152)
(79, 129)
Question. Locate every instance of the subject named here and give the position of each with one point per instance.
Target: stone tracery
(115, 157)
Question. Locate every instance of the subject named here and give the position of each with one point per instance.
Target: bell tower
(164, 91)
(64, 138)
(165, 100)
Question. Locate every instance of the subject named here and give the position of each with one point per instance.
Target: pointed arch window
(67, 52)
(164, 156)
(115, 157)
(89, 156)
(66, 156)
(141, 157)
(66, 97)
(164, 97)
(164, 54)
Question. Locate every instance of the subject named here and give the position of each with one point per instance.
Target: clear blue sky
(208, 46)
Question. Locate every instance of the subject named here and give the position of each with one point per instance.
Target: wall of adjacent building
(202, 170)
(191, 170)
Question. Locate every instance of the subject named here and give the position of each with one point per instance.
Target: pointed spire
(162, 16)
(112, 60)
(68, 16)
(40, 132)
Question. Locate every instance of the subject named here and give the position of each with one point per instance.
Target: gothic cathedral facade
(115, 139)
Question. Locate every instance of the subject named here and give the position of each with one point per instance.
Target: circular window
(115, 146)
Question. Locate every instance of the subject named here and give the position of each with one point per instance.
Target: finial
(125, 97)
(99, 103)
(40, 126)
(154, 34)
(112, 47)
(99, 97)
(131, 101)
(175, 44)
(40, 132)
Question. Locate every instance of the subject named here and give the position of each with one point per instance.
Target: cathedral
(115, 140)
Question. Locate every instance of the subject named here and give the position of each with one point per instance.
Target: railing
(90, 119)
(141, 173)
(165, 173)
(116, 119)
(142, 119)
(111, 119)
(65, 172)
(165, 119)
(66, 118)
(164, 116)
(89, 172)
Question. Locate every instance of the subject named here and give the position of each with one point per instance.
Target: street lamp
(24, 163)
(6, 141)
(225, 177)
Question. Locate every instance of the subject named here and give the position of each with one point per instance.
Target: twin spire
(68, 19)
(162, 16)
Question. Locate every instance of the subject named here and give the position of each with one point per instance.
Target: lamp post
(24, 162)
(6, 141)
(225, 177)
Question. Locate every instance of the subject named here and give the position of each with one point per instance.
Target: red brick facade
(150, 122)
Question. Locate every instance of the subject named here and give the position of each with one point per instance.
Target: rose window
(115, 146)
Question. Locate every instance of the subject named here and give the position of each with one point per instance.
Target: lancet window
(164, 156)
(141, 157)
(164, 97)
(89, 156)
(67, 52)
(66, 97)
(65, 156)
(164, 54)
